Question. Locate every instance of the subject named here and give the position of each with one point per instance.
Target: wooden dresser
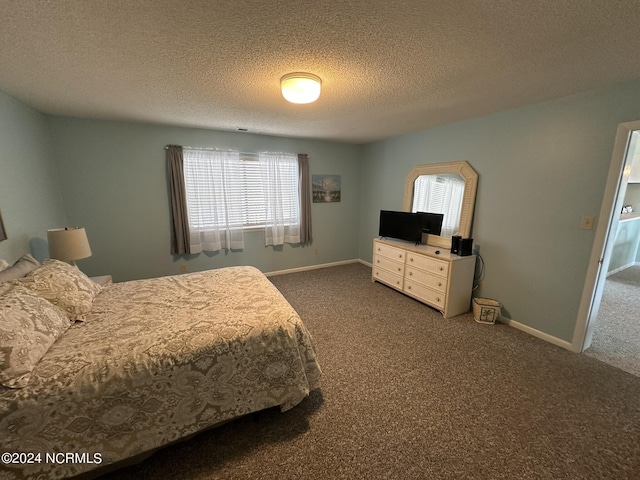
(441, 280)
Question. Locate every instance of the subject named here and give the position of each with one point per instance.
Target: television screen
(401, 225)
(432, 222)
(409, 226)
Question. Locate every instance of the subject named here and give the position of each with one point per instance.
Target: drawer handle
(377, 261)
(439, 284)
(399, 269)
(441, 268)
(409, 287)
(437, 299)
(411, 259)
(410, 273)
(400, 256)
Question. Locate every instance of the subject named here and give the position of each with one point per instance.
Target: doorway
(607, 326)
(616, 334)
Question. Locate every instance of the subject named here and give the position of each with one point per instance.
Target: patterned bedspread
(157, 360)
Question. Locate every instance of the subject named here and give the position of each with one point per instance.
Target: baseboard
(507, 321)
(538, 334)
(624, 267)
(311, 267)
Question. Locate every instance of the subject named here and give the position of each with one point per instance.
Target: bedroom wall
(30, 199)
(541, 169)
(114, 184)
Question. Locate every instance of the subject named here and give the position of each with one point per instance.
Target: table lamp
(68, 244)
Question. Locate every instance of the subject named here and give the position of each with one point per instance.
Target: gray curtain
(304, 190)
(180, 241)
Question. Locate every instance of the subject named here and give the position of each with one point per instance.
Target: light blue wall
(115, 185)
(541, 169)
(30, 200)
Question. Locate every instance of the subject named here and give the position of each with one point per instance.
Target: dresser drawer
(427, 279)
(388, 264)
(429, 296)
(440, 280)
(385, 276)
(427, 263)
(390, 252)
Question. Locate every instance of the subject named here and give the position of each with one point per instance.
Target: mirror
(453, 174)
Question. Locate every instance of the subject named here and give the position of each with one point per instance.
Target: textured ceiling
(388, 67)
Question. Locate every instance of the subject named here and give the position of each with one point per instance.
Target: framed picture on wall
(3, 234)
(326, 188)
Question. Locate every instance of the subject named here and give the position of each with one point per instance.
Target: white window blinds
(229, 191)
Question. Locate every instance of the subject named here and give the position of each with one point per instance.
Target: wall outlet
(183, 268)
(315, 252)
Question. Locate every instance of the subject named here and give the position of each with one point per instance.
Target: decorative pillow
(63, 285)
(3, 264)
(24, 265)
(29, 325)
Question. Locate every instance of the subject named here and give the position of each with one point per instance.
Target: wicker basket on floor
(486, 310)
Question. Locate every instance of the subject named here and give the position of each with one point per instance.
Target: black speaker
(466, 246)
(455, 244)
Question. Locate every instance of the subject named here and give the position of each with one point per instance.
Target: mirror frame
(470, 177)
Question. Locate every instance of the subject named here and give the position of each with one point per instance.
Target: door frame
(619, 170)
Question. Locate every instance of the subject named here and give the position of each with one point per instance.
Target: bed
(147, 363)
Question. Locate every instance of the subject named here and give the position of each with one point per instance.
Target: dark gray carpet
(409, 395)
(616, 337)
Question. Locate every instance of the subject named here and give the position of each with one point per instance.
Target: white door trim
(603, 240)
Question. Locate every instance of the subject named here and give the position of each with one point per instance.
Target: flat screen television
(432, 222)
(409, 226)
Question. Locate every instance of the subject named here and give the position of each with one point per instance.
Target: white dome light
(300, 87)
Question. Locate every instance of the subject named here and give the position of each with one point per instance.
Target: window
(227, 192)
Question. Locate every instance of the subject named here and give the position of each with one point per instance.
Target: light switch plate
(587, 222)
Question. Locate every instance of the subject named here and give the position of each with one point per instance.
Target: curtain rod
(210, 149)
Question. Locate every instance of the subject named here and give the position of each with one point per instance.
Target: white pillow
(63, 285)
(23, 266)
(29, 325)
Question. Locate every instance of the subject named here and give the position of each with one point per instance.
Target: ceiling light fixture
(300, 87)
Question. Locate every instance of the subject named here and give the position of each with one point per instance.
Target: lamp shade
(68, 243)
(300, 87)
